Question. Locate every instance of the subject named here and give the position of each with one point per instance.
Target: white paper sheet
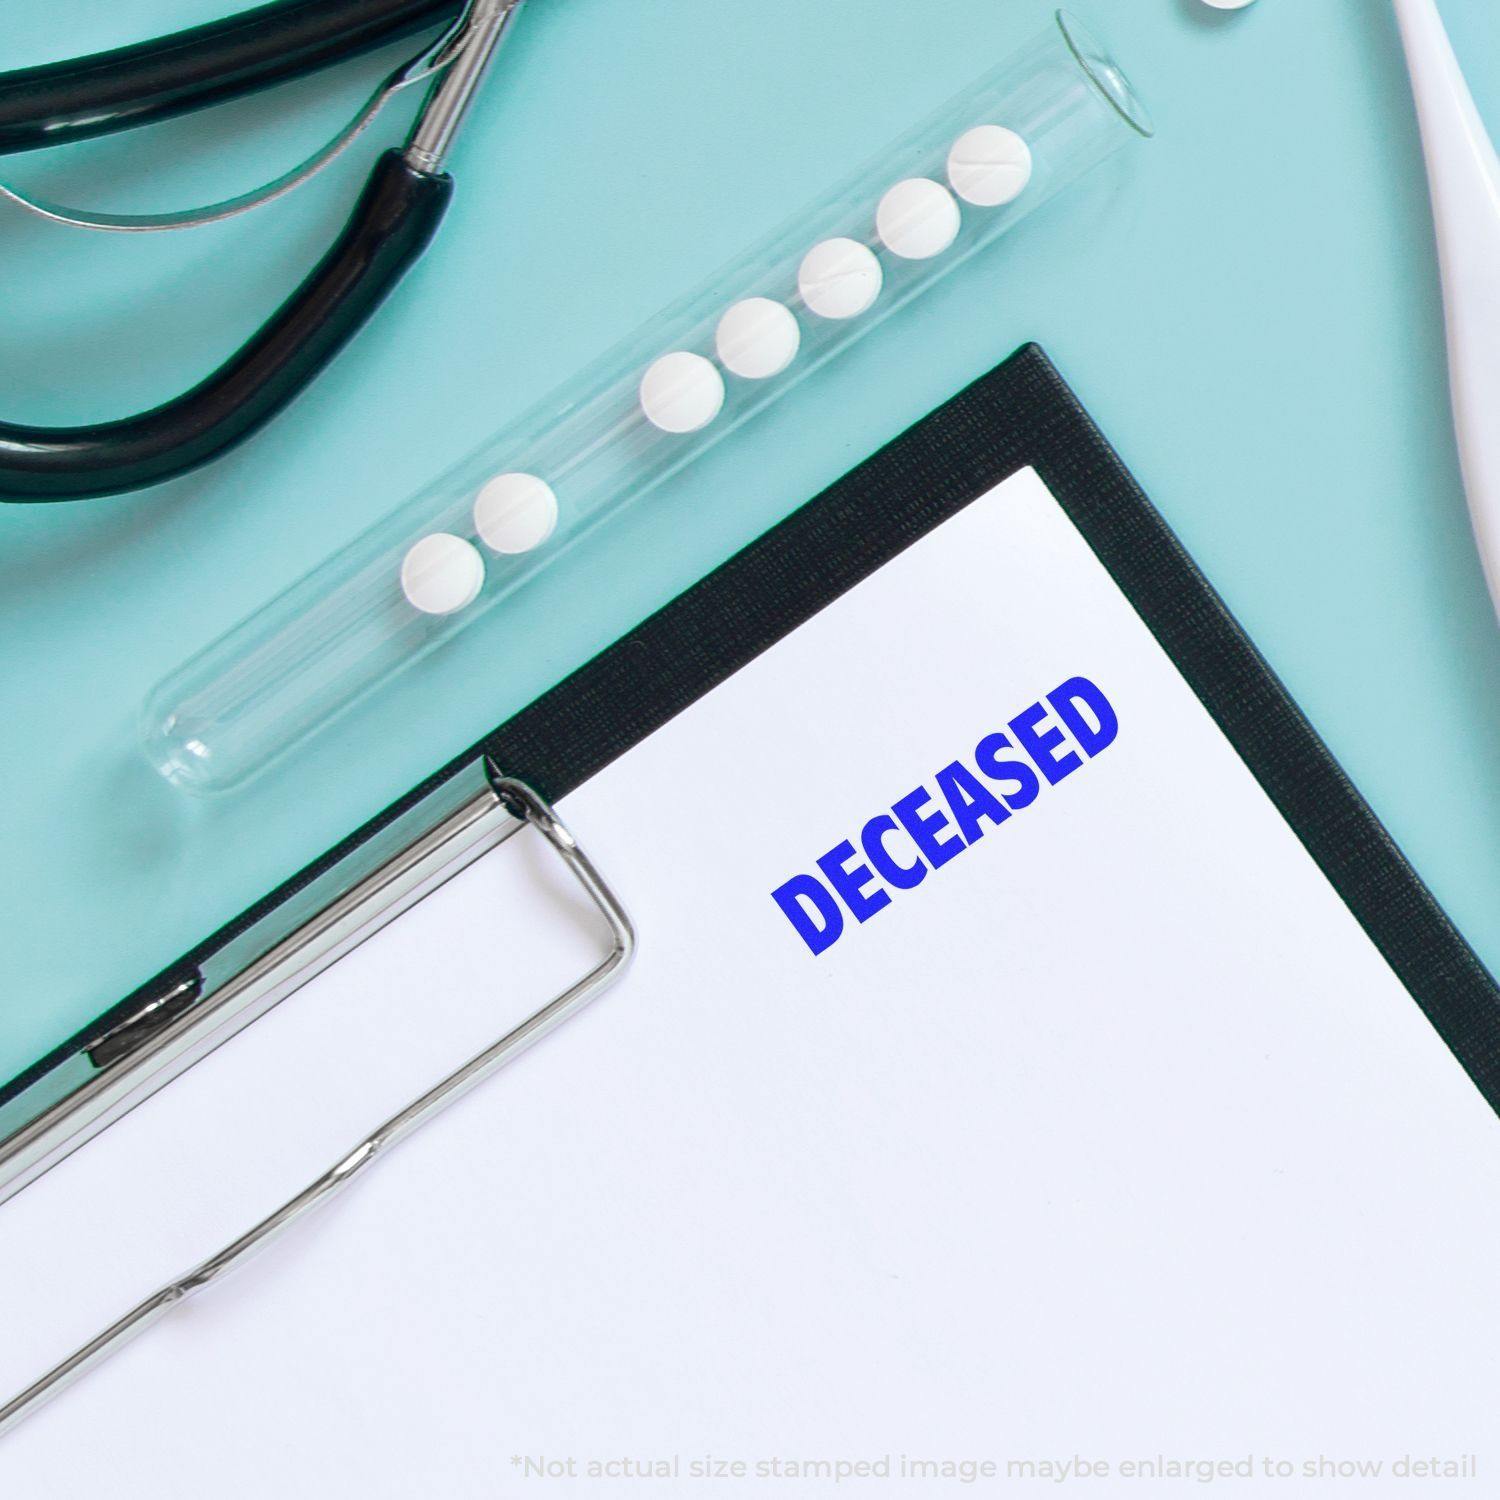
(1113, 1140)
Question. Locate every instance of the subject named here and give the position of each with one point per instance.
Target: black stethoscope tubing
(392, 222)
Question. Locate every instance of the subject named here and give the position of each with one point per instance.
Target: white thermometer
(1464, 173)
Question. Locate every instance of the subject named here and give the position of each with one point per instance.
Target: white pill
(989, 165)
(757, 338)
(1228, 4)
(682, 392)
(839, 278)
(442, 573)
(917, 219)
(515, 512)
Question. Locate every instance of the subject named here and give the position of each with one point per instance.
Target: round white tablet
(989, 165)
(515, 512)
(757, 338)
(682, 392)
(441, 573)
(839, 278)
(917, 219)
(1228, 4)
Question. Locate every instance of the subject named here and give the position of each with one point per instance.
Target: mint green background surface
(1248, 305)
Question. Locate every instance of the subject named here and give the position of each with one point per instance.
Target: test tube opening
(1105, 74)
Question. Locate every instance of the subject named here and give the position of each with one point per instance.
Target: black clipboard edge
(1021, 414)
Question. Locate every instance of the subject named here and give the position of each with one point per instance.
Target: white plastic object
(989, 165)
(917, 219)
(514, 513)
(839, 278)
(348, 629)
(441, 574)
(757, 338)
(1464, 174)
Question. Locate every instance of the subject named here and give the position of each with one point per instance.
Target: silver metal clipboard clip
(522, 803)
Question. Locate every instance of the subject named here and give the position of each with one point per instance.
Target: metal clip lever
(525, 804)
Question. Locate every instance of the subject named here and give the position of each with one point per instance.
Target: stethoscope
(392, 222)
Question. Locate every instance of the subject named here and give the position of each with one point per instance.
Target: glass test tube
(446, 557)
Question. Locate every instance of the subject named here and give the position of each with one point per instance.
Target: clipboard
(1020, 415)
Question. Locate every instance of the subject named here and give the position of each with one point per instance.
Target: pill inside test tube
(757, 338)
(444, 559)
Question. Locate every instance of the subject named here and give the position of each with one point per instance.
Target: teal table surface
(1248, 305)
